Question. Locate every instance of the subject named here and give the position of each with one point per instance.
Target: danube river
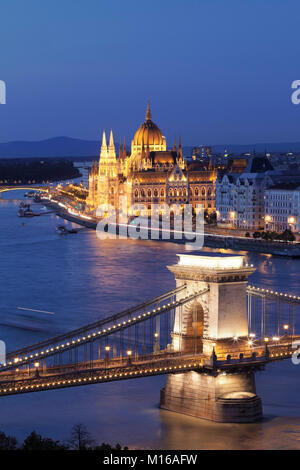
(78, 279)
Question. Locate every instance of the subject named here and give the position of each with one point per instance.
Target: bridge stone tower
(213, 325)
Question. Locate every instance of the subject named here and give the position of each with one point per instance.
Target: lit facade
(150, 174)
(282, 207)
(240, 197)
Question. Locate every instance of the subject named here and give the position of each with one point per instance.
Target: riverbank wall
(210, 240)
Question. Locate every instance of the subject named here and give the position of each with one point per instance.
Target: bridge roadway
(166, 362)
(4, 189)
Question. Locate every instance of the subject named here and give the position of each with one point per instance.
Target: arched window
(162, 193)
(196, 191)
(136, 193)
(143, 193)
(203, 192)
(149, 192)
(155, 193)
(209, 192)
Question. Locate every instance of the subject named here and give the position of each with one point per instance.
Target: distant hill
(69, 147)
(55, 147)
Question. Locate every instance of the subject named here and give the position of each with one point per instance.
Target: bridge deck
(77, 357)
(166, 362)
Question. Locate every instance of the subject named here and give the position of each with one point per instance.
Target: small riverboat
(25, 211)
(63, 230)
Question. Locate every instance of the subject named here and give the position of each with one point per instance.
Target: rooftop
(212, 261)
(287, 186)
(258, 164)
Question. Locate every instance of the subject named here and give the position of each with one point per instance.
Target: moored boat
(25, 211)
(63, 230)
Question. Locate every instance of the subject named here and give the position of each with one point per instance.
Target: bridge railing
(39, 381)
(138, 331)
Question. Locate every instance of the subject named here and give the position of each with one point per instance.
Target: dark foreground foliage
(80, 440)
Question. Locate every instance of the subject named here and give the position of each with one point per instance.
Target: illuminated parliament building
(149, 174)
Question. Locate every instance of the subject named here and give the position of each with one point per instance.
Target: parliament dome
(148, 133)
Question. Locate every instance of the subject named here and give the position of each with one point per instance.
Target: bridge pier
(220, 397)
(213, 326)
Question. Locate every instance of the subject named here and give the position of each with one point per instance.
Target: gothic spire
(111, 148)
(111, 140)
(104, 145)
(174, 146)
(103, 152)
(179, 148)
(148, 114)
(124, 149)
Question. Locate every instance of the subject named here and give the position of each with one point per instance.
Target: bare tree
(80, 437)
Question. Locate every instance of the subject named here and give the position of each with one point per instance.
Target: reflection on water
(275, 433)
(80, 279)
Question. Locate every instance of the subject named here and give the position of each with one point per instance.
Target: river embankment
(211, 240)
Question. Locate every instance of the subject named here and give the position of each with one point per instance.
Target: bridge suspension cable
(91, 326)
(149, 339)
(270, 313)
(80, 347)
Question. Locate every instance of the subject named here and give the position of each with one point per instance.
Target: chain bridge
(209, 336)
(30, 187)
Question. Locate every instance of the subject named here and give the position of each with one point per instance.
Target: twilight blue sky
(216, 71)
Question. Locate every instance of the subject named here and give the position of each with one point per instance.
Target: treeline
(286, 236)
(18, 171)
(80, 439)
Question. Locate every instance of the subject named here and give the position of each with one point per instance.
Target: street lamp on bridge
(129, 354)
(37, 365)
(107, 349)
(156, 344)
